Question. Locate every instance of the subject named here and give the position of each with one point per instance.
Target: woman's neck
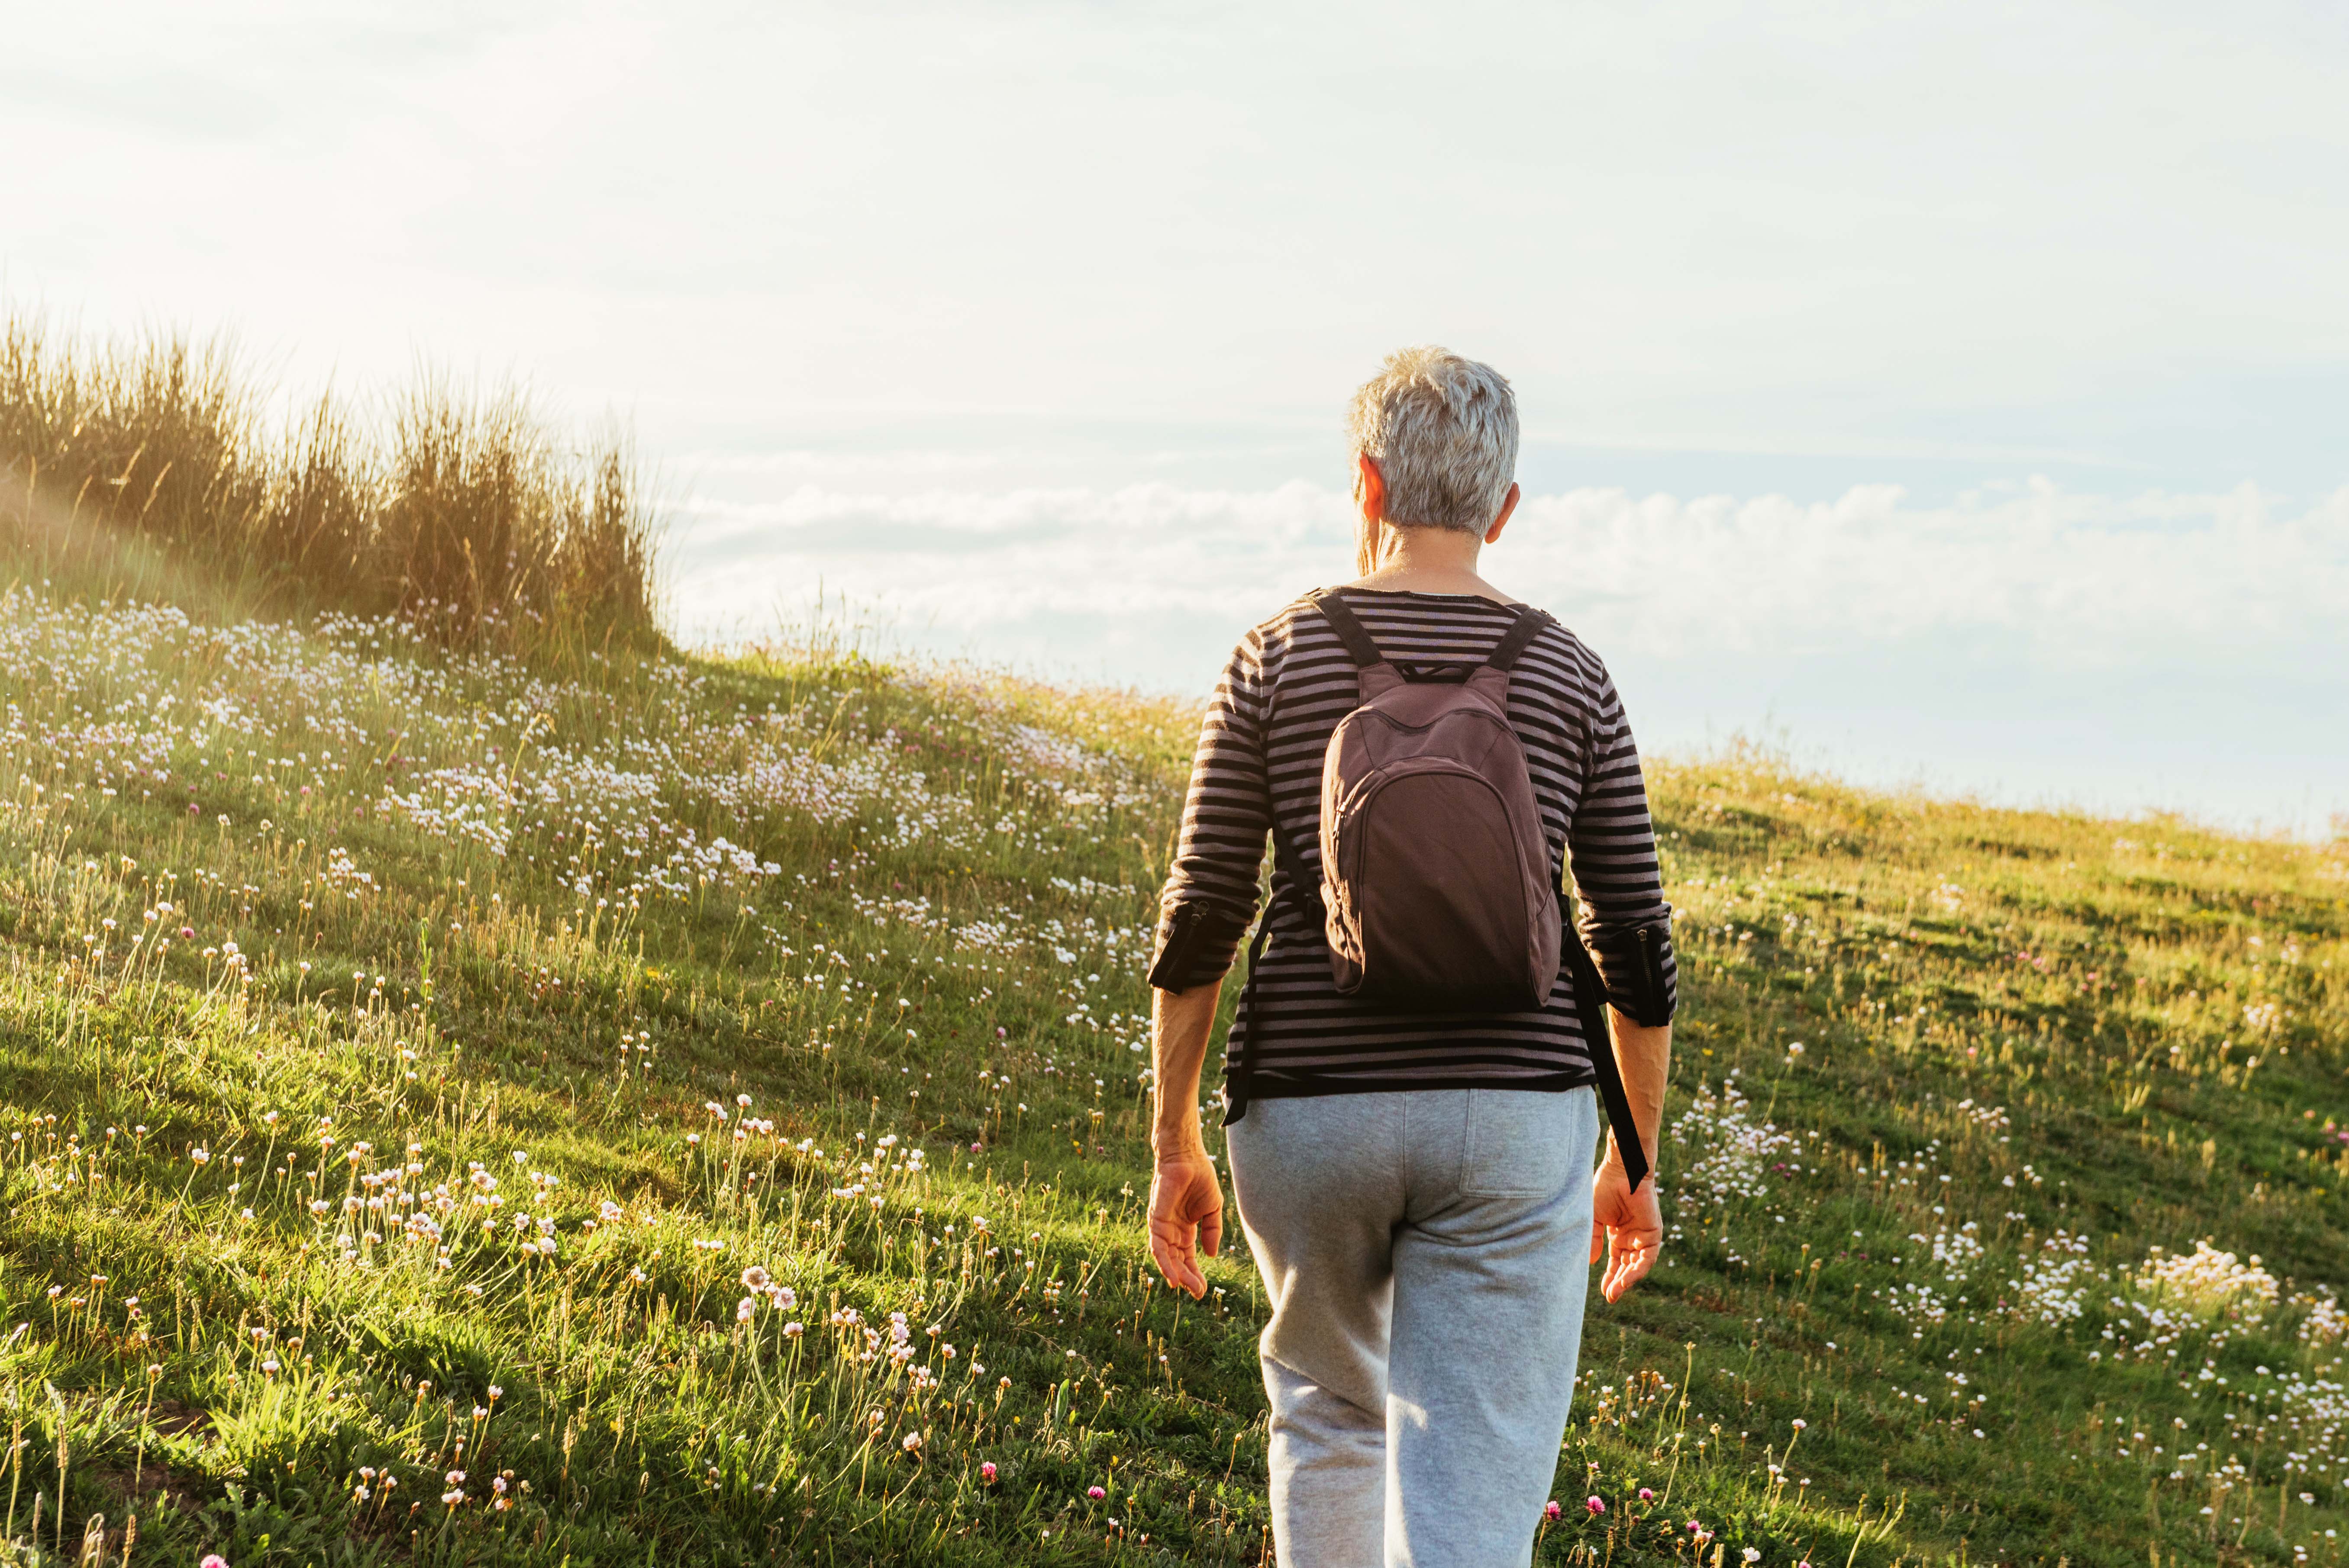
(1422, 560)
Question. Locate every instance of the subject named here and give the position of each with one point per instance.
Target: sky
(1945, 395)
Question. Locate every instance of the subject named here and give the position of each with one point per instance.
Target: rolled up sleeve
(1617, 883)
(1210, 897)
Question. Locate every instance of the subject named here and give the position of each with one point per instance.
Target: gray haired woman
(1418, 1188)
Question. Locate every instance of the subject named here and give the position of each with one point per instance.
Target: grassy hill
(471, 1099)
(701, 1103)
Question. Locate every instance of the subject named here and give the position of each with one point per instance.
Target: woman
(1417, 1188)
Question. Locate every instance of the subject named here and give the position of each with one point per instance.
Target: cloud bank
(2026, 644)
(2064, 581)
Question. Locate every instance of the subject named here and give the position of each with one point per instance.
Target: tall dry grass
(155, 467)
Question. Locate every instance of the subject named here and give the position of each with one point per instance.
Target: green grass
(485, 928)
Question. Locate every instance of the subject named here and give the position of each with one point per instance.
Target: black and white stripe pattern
(1259, 766)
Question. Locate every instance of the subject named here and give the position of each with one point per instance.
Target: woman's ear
(1370, 487)
(1369, 505)
(1508, 505)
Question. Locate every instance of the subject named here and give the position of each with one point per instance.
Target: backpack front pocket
(1438, 912)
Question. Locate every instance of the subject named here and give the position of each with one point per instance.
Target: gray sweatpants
(1427, 1254)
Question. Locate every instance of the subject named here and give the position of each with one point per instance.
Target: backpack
(1436, 886)
(1437, 893)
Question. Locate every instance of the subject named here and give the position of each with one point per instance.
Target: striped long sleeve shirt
(1259, 770)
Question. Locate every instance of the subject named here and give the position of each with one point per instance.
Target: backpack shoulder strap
(1531, 624)
(1349, 630)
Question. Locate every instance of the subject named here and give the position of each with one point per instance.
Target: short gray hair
(1444, 431)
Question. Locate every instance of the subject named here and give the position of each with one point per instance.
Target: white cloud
(2081, 580)
(2029, 645)
(2063, 582)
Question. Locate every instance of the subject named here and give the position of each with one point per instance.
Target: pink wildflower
(1095, 1492)
(1551, 1511)
(213, 1560)
(986, 1472)
(1594, 1505)
(1647, 1494)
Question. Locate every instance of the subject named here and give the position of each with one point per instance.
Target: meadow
(477, 1099)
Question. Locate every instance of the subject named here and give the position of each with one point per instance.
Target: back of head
(1444, 431)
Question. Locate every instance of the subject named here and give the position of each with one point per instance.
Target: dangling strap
(1590, 989)
(1342, 621)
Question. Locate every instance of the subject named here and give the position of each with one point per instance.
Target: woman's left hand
(1187, 1207)
(1628, 1226)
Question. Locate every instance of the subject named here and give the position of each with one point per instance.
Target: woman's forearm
(1644, 1057)
(1181, 1023)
